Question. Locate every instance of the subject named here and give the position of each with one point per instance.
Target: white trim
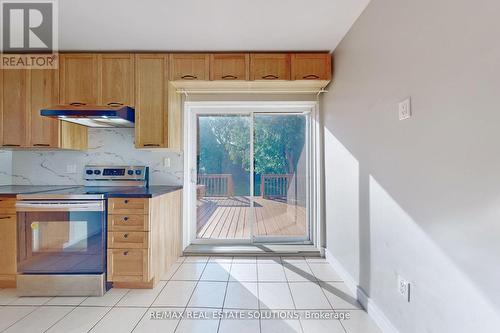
(368, 303)
(251, 107)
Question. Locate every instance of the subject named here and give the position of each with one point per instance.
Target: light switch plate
(404, 109)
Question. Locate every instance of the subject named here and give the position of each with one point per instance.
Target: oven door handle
(60, 206)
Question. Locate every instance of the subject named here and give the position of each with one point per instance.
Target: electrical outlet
(166, 162)
(404, 109)
(71, 168)
(404, 288)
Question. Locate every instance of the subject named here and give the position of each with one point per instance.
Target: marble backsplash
(5, 167)
(110, 146)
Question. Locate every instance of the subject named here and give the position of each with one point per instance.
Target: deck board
(231, 218)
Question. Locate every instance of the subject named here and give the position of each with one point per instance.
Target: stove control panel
(115, 173)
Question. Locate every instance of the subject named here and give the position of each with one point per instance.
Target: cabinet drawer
(128, 239)
(128, 222)
(128, 265)
(128, 205)
(7, 205)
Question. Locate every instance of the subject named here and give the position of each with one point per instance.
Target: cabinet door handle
(125, 218)
(125, 253)
(310, 77)
(151, 145)
(41, 145)
(114, 104)
(229, 77)
(10, 145)
(4, 217)
(77, 104)
(125, 236)
(270, 77)
(189, 77)
(126, 201)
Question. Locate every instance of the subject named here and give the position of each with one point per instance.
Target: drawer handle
(126, 201)
(10, 145)
(125, 253)
(115, 104)
(189, 77)
(4, 217)
(77, 104)
(125, 218)
(125, 236)
(229, 77)
(270, 77)
(310, 77)
(151, 145)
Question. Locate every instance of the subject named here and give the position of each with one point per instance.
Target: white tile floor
(218, 288)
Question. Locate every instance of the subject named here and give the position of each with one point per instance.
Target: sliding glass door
(251, 179)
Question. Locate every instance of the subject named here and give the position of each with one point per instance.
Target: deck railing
(275, 186)
(216, 185)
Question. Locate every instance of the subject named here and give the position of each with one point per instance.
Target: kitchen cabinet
(189, 66)
(8, 243)
(13, 106)
(142, 249)
(151, 88)
(229, 66)
(78, 78)
(311, 66)
(270, 66)
(24, 93)
(116, 79)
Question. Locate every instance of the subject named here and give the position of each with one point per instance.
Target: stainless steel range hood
(111, 115)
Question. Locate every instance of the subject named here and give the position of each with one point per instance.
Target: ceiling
(222, 25)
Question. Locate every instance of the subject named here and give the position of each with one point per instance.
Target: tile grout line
(323, 291)
(194, 289)
(225, 293)
(35, 308)
(291, 295)
(110, 309)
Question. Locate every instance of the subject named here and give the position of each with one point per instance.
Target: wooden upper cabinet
(311, 66)
(44, 87)
(116, 79)
(269, 66)
(229, 66)
(13, 106)
(78, 78)
(151, 73)
(189, 66)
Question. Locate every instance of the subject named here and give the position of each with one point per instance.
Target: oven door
(61, 237)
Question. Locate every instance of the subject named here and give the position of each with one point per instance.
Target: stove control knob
(97, 172)
(89, 172)
(138, 172)
(130, 172)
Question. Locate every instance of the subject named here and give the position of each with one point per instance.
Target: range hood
(111, 115)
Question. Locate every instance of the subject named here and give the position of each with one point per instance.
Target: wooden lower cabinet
(144, 239)
(8, 243)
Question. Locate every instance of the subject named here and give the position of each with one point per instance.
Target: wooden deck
(229, 218)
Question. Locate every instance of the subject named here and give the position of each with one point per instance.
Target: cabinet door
(151, 101)
(229, 66)
(8, 231)
(14, 104)
(116, 79)
(44, 87)
(270, 66)
(311, 66)
(189, 66)
(78, 78)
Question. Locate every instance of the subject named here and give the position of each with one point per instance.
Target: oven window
(61, 242)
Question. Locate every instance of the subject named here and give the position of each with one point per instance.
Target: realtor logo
(29, 33)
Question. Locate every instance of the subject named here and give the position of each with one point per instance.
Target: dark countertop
(110, 192)
(13, 190)
(143, 192)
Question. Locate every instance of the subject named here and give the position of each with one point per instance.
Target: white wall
(419, 197)
(106, 146)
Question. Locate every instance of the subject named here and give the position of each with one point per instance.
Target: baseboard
(368, 304)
